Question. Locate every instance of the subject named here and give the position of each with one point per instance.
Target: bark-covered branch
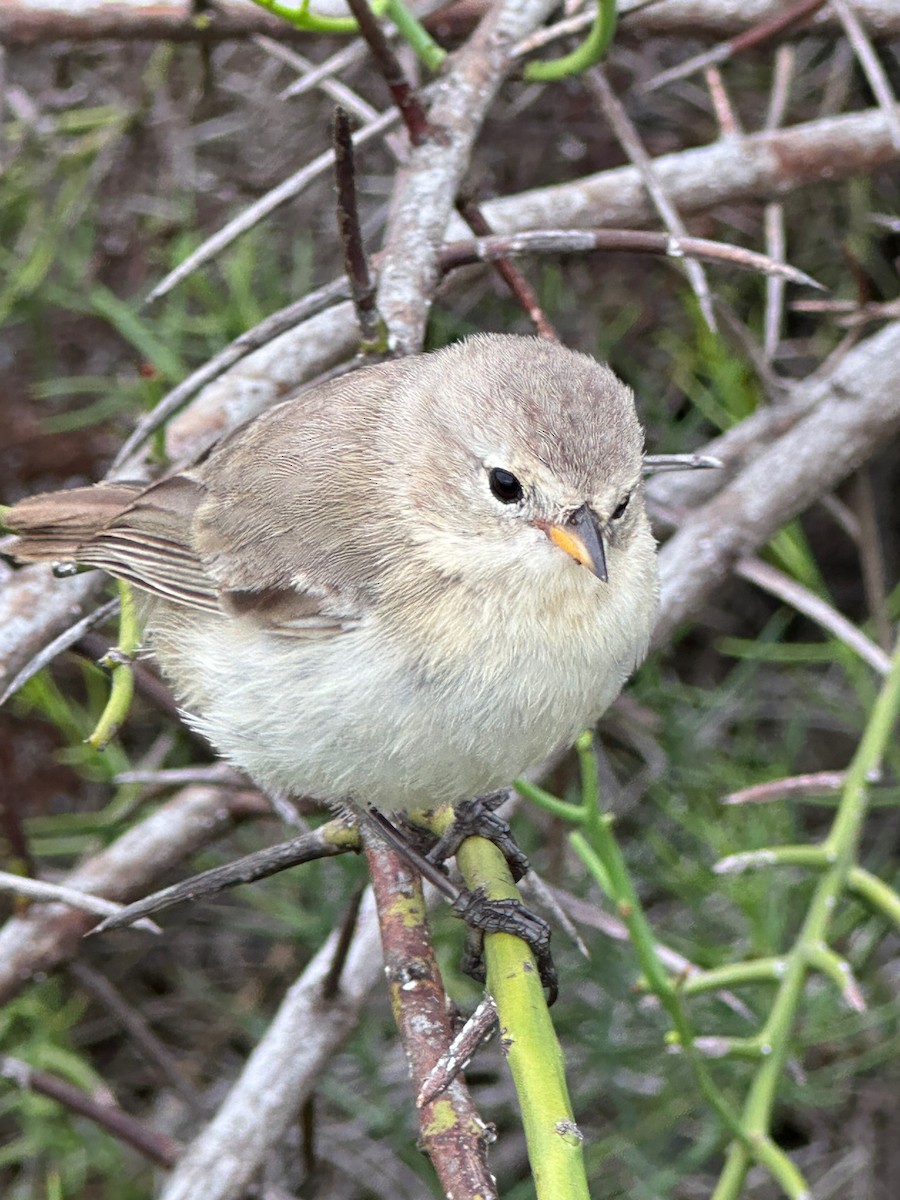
(858, 417)
(27, 22)
(50, 934)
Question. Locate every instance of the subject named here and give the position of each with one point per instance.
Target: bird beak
(582, 537)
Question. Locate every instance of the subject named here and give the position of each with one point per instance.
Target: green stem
(573, 813)
(586, 55)
(410, 29)
(758, 970)
(877, 894)
(775, 856)
(841, 848)
(532, 1050)
(122, 688)
(302, 18)
(415, 35)
(605, 861)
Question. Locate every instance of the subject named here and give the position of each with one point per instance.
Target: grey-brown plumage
(352, 600)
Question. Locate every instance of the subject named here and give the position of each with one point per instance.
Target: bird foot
(478, 818)
(483, 915)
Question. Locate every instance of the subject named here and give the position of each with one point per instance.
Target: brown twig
(334, 837)
(156, 1147)
(402, 92)
(630, 141)
(454, 1137)
(638, 241)
(521, 289)
(355, 263)
(50, 934)
(331, 984)
(770, 28)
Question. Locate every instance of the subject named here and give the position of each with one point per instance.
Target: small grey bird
(402, 587)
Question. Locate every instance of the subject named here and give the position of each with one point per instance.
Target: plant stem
(415, 35)
(841, 848)
(529, 1039)
(119, 661)
(586, 55)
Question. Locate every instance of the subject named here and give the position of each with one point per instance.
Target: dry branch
(49, 934)
(858, 417)
(25, 22)
(726, 18)
(757, 167)
(427, 185)
(630, 140)
(282, 1071)
(35, 608)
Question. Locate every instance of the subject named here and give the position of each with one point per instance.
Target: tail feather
(55, 526)
(137, 532)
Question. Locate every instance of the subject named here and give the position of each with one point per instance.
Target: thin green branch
(586, 55)
(876, 893)
(729, 975)
(410, 29)
(415, 35)
(750, 1049)
(573, 813)
(603, 858)
(840, 848)
(119, 662)
(532, 1051)
(838, 970)
(302, 18)
(775, 856)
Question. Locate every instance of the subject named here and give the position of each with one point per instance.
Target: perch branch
(451, 1131)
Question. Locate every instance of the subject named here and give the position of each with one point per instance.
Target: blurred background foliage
(118, 160)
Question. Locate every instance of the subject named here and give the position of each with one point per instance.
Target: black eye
(620, 509)
(505, 486)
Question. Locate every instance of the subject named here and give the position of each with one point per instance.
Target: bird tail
(59, 526)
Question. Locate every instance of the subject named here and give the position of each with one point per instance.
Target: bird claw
(483, 915)
(477, 818)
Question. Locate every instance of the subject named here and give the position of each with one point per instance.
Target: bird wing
(147, 536)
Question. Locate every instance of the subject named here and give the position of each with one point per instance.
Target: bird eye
(619, 511)
(505, 486)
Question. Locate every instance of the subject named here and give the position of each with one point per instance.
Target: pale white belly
(349, 718)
